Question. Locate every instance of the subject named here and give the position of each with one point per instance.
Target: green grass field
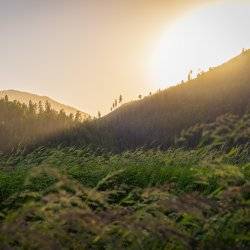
(67, 198)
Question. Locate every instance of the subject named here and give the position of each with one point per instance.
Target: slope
(158, 119)
(25, 97)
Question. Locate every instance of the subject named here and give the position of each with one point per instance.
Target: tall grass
(71, 198)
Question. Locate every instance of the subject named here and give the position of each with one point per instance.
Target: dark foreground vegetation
(225, 132)
(67, 198)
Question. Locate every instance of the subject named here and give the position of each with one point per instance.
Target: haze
(86, 53)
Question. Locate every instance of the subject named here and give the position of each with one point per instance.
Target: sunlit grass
(177, 199)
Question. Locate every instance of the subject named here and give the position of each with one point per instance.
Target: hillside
(70, 189)
(22, 125)
(25, 97)
(161, 117)
(157, 120)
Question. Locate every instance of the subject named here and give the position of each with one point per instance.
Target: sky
(86, 53)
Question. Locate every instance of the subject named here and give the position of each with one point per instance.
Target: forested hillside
(157, 120)
(24, 97)
(22, 125)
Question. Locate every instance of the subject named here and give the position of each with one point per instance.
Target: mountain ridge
(158, 120)
(25, 97)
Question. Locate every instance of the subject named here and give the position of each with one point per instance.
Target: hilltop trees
(120, 99)
(40, 107)
(32, 107)
(22, 125)
(116, 103)
(190, 75)
(78, 116)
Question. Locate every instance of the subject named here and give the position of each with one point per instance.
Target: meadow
(77, 198)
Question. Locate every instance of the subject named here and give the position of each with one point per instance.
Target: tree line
(22, 125)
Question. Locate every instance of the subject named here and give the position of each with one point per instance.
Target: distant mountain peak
(25, 97)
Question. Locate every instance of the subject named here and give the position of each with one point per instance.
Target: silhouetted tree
(99, 114)
(140, 96)
(62, 115)
(40, 107)
(32, 107)
(47, 107)
(120, 99)
(190, 75)
(78, 116)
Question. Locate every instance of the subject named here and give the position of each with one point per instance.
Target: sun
(206, 37)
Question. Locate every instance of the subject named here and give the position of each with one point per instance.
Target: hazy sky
(87, 52)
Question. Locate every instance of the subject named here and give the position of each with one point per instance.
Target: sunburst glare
(206, 37)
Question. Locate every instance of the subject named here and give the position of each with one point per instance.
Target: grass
(69, 198)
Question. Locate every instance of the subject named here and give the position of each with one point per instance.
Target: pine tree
(40, 107)
(190, 75)
(120, 99)
(32, 107)
(47, 107)
(78, 116)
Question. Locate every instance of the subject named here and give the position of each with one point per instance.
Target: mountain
(23, 125)
(157, 120)
(169, 116)
(25, 97)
